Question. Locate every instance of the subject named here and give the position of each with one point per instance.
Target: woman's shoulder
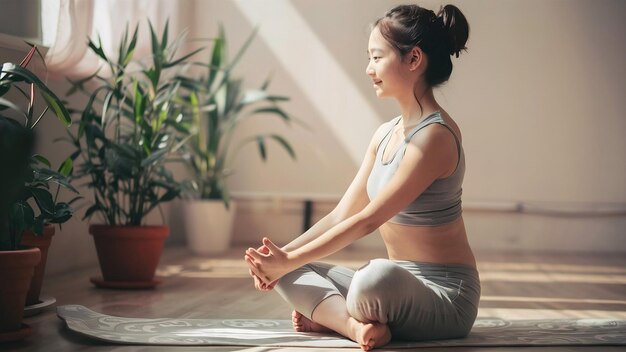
(382, 131)
(385, 127)
(449, 121)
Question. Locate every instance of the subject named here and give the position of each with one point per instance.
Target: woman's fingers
(258, 282)
(269, 244)
(271, 285)
(263, 250)
(254, 254)
(256, 271)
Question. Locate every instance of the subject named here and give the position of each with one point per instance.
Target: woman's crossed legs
(370, 305)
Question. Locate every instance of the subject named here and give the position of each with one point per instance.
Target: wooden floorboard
(514, 286)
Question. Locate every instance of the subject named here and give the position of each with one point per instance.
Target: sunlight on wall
(312, 70)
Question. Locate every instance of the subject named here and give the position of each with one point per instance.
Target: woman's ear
(416, 57)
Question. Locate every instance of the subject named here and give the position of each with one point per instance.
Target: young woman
(409, 187)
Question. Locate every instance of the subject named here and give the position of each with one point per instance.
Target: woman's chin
(380, 93)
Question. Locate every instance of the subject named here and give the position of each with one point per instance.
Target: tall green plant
(26, 179)
(219, 105)
(130, 127)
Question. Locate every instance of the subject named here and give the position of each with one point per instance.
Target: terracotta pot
(16, 271)
(29, 239)
(129, 253)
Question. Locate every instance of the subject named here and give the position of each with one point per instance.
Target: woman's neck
(412, 111)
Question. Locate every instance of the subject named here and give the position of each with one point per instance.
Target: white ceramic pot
(208, 225)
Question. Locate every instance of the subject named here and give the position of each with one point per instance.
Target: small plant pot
(129, 253)
(208, 226)
(29, 239)
(16, 271)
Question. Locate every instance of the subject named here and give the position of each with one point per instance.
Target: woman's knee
(375, 277)
(372, 286)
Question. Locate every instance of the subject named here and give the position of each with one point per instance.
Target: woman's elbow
(368, 221)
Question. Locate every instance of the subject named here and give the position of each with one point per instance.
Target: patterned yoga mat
(279, 333)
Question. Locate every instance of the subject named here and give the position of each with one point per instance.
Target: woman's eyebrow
(373, 49)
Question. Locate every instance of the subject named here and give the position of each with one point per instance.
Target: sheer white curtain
(67, 25)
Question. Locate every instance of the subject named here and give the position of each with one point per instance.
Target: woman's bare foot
(370, 335)
(304, 324)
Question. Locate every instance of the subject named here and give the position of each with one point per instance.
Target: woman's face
(385, 67)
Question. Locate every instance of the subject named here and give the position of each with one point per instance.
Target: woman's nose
(369, 70)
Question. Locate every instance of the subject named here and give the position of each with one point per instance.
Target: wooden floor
(515, 286)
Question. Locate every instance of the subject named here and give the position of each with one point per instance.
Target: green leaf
(169, 195)
(98, 49)
(182, 59)
(8, 104)
(266, 84)
(105, 106)
(57, 106)
(225, 195)
(43, 198)
(157, 57)
(28, 57)
(275, 98)
(284, 144)
(42, 160)
(139, 103)
(154, 157)
(47, 175)
(217, 58)
(62, 213)
(252, 96)
(244, 47)
(261, 143)
(165, 33)
(22, 216)
(38, 225)
(182, 127)
(131, 48)
(51, 99)
(92, 209)
(75, 199)
(66, 167)
(273, 110)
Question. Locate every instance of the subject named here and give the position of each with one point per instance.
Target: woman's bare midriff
(444, 244)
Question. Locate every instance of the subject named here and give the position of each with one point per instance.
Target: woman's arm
(353, 201)
(429, 156)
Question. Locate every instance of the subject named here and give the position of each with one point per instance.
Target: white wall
(538, 96)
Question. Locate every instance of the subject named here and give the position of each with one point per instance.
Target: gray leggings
(418, 301)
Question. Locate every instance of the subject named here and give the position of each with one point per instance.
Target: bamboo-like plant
(25, 177)
(218, 105)
(130, 127)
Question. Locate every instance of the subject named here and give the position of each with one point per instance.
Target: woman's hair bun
(455, 24)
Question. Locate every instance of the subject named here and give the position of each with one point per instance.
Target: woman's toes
(296, 315)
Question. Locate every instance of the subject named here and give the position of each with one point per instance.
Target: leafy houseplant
(131, 126)
(25, 179)
(219, 105)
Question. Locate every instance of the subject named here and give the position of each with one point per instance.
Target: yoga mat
(279, 333)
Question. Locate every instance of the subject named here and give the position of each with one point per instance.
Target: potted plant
(219, 104)
(25, 180)
(129, 129)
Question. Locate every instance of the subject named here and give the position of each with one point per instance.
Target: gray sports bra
(440, 203)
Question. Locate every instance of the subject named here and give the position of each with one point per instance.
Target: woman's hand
(258, 284)
(268, 267)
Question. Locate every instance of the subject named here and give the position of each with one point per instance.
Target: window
(34, 21)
